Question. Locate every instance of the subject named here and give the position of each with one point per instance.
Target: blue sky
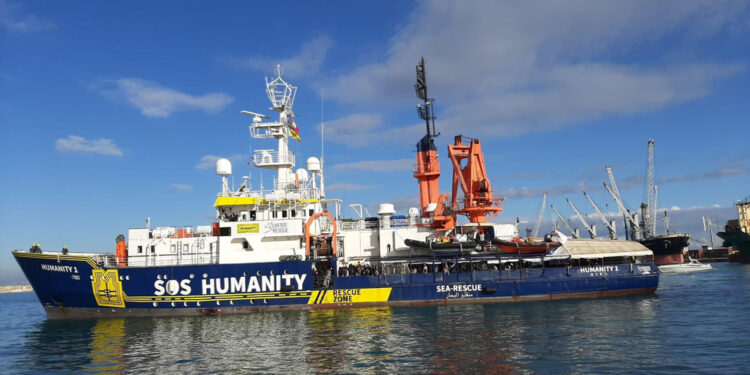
(111, 112)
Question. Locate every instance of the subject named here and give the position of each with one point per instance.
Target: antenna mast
(425, 109)
(428, 166)
(322, 146)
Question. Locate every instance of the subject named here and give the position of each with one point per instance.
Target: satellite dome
(223, 167)
(313, 164)
(301, 175)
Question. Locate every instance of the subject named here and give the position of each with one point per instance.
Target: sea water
(695, 323)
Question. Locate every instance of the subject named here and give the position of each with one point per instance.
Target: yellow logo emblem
(107, 288)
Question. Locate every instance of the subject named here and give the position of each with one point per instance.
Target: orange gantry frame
(479, 205)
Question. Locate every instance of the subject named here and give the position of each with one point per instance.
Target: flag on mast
(293, 129)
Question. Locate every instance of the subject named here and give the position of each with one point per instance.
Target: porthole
(158, 277)
(271, 273)
(252, 301)
(286, 272)
(258, 273)
(205, 275)
(127, 277)
(192, 275)
(218, 303)
(244, 273)
(265, 301)
(197, 304)
(155, 304)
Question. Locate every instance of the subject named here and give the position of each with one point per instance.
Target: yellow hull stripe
(56, 257)
(218, 297)
(349, 296)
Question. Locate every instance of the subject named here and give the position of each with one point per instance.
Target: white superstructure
(281, 223)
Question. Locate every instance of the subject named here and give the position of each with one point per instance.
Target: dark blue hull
(76, 286)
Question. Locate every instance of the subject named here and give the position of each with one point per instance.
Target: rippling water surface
(696, 323)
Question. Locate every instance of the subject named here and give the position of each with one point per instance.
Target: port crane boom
(649, 214)
(610, 226)
(565, 222)
(540, 216)
(590, 229)
(622, 208)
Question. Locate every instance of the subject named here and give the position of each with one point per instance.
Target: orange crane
(479, 204)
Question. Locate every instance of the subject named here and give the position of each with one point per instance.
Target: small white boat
(692, 266)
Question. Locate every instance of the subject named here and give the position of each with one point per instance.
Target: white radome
(386, 209)
(313, 164)
(223, 167)
(301, 175)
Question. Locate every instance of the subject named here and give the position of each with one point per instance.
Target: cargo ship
(288, 247)
(737, 233)
(668, 248)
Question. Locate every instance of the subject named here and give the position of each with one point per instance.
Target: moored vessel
(692, 265)
(288, 247)
(737, 233)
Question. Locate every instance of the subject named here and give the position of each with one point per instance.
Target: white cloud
(506, 68)
(362, 129)
(348, 187)
(154, 100)
(309, 60)
(209, 161)
(182, 187)
(376, 165)
(12, 19)
(77, 144)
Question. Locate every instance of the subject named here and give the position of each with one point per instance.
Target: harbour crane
(574, 233)
(610, 225)
(634, 224)
(540, 216)
(649, 213)
(590, 228)
(612, 181)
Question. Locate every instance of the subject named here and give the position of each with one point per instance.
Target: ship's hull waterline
(76, 287)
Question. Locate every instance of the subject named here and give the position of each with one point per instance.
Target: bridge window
(275, 214)
(312, 211)
(283, 213)
(140, 249)
(153, 249)
(293, 213)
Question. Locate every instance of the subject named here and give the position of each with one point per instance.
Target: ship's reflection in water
(568, 336)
